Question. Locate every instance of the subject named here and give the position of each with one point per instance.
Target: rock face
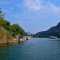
(53, 31)
(6, 41)
(3, 35)
(4, 38)
(13, 40)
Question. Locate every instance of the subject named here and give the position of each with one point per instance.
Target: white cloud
(55, 9)
(41, 5)
(33, 4)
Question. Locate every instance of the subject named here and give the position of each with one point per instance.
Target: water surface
(35, 49)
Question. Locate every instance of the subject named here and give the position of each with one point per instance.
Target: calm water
(35, 49)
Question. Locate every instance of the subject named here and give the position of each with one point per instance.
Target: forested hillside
(9, 30)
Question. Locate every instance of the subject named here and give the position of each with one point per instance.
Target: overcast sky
(32, 15)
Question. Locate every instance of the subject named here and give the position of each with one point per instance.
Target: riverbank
(13, 40)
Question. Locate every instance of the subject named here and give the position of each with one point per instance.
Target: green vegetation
(9, 30)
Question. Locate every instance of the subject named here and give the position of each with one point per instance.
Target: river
(35, 49)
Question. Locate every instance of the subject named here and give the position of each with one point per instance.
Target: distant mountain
(53, 31)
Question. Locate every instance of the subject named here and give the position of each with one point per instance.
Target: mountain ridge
(53, 31)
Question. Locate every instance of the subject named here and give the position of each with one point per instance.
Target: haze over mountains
(53, 31)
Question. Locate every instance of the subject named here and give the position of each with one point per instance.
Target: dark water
(35, 49)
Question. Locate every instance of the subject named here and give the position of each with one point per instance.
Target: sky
(32, 15)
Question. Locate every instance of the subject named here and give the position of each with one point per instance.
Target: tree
(5, 24)
(1, 14)
(12, 30)
(17, 30)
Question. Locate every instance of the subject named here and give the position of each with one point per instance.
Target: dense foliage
(11, 29)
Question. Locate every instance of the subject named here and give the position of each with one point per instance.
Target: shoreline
(14, 40)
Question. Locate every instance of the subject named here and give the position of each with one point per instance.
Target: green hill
(8, 30)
